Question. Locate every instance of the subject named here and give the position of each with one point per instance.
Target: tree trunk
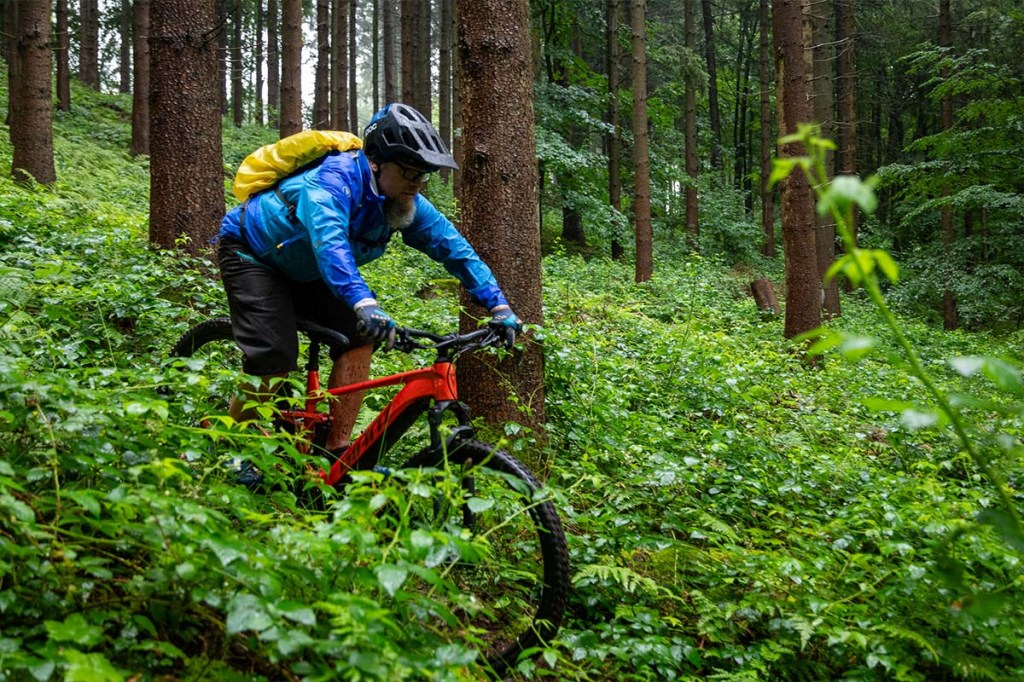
(716, 121)
(408, 51)
(273, 65)
(375, 62)
(641, 161)
(421, 41)
(392, 41)
(186, 180)
(690, 132)
(31, 99)
(444, 79)
(846, 74)
(140, 91)
(820, 57)
(457, 111)
(322, 75)
(803, 298)
(499, 206)
(950, 316)
(339, 65)
(89, 44)
(614, 139)
(764, 295)
(291, 67)
(258, 66)
(63, 54)
(125, 48)
(767, 141)
(237, 93)
(222, 55)
(353, 107)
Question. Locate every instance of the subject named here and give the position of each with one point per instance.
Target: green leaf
(479, 504)
(90, 668)
(915, 419)
(246, 612)
(297, 611)
(87, 500)
(391, 577)
(887, 265)
(74, 629)
(854, 348)
(846, 190)
(967, 365)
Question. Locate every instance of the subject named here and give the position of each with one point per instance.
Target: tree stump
(764, 295)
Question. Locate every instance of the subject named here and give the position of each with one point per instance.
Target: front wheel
(508, 563)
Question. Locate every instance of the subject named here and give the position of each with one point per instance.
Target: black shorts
(264, 305)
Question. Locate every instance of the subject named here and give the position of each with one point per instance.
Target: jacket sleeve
(434, 235)
(324, 206)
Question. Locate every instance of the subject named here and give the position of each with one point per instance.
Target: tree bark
(222, 55)
(273, 65)
(353, 106)
(376, 43)
(339, 65)
(613, 137)
(258, 66)
(237, 93)
(764, 295)
(322, 74)
(767, 141)
(140, 91)
(716, 121)
(950, 316)
(125, 48)
(846, 74)
(408, 51)
(89, 44)
(291, 67)
(186, 180)
(421, 41)
(803, 298)
(63, 56)
(821, 60)
(641, 161)
(499, 206)
(392, 41)
(31, 110)
(690, 132)
(444, 79)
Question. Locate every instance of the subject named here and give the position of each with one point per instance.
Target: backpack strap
(292, 217)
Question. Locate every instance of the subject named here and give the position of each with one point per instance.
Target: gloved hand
(506, 323)
(374, 323)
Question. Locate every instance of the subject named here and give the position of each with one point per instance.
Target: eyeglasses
(413, 174)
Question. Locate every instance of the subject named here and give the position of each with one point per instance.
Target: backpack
(267, 165)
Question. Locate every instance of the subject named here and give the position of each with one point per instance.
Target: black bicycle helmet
(400, 133)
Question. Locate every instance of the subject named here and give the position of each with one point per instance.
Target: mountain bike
(513, 574)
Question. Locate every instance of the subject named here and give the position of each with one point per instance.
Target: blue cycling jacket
(339, 225)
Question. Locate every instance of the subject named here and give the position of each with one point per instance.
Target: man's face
(401, 183)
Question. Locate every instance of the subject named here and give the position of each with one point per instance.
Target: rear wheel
(213, 365)
(507, 564)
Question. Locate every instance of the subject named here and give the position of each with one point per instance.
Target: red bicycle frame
(421, 387)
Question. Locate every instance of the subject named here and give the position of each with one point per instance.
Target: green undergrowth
(733, 513)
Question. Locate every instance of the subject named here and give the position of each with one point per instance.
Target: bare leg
(237, 408)
(352, 367)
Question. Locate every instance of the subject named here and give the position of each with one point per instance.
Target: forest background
(734, 510)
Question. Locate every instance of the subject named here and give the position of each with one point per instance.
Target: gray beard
(396, 218)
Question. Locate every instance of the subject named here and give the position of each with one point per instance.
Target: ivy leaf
(76, 630)
(90, 668)
(246, 612)
(391, 577)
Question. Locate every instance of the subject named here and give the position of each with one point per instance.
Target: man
(295, 251)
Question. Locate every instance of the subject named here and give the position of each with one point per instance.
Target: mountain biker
(295, 250)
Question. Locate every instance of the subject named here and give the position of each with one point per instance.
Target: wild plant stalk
(838, 197)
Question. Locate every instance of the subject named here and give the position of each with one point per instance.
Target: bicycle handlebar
(407, 340)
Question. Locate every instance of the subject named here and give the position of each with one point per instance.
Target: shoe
(246, 473)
